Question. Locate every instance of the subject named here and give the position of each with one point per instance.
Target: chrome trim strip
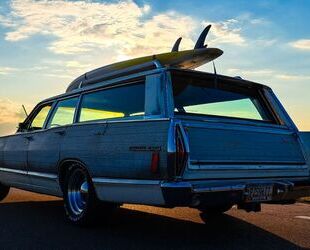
(14, 171)
(106, 83)
(225, 125)
(43, 175)
(203, 189)
(231, 165)
(219, 189)
(112, 181)
(176, 185)
(23, 172)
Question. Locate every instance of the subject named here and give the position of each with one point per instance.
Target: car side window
(63, 113)
(119, 102)
(38, 121)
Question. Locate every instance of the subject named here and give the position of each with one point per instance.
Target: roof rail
(108, 73)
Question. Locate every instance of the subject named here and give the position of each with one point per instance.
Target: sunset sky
(46, 44)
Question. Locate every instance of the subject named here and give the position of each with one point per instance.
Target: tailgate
(228, 151)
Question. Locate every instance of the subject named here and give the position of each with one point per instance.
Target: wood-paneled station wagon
(153, 131)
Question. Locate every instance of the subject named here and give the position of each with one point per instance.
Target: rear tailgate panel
(232, 151)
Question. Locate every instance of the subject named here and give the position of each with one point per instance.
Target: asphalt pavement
(32, 221)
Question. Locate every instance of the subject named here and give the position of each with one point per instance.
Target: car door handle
(60, 132)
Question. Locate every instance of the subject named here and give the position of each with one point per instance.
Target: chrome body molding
(125, 181)
(43, 175)
(204, 189)
(220, 189)
(30, 173)
(184, 193)
(14, 171)
(129, 191)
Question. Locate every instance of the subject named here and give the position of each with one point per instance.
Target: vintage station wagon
(162, 136)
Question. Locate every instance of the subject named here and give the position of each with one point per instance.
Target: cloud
(6, 22)
(10, 112)
(228, 31)
(123, 27)
(82, 26)
(303, 44)
(76, 64)
(261, 72)
(58, 75)
(267, 72)
(7, 70)
(292, 77)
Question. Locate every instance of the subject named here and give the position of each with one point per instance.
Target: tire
(81, 204)
(4, 191)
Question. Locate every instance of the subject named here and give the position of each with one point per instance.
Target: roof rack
(108, 73)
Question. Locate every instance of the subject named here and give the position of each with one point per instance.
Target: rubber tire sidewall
(87, 217)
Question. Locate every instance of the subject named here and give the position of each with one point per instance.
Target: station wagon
(161, 136)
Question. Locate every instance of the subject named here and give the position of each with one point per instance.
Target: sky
(44, 44)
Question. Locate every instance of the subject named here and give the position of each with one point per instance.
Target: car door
(44, 146)
(14, 167)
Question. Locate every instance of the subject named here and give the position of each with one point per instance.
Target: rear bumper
(203, 193)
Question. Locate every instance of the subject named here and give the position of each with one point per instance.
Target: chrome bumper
(199, 193)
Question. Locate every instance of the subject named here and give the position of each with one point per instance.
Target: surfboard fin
(201, 40)
(176, 45)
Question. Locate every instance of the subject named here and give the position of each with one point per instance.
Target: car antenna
(25, 110)
(215, 74)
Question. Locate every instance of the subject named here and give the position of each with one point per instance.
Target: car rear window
(212, 98)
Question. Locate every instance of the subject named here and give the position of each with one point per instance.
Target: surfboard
(186, 59)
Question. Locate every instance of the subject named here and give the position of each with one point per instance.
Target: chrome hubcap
(77, 192)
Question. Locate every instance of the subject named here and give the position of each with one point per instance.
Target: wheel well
(64, 169)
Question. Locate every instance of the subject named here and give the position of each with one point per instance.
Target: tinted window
(120, 102)
(63, 113)
(39, 120)
(196, 97)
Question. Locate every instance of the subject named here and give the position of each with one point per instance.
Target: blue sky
(46, 44)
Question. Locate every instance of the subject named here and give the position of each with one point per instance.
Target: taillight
(177, 152)
(181, 154)
(155, 163)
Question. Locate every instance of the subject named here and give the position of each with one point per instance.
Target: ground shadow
(41, 225)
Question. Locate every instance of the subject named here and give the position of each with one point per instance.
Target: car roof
(140, 75)
(211, 76)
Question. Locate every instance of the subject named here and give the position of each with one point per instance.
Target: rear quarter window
(119, 102)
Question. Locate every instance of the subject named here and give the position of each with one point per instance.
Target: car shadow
(41, 225)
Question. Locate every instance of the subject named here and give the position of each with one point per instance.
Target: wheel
(4, 191)
(81, 205)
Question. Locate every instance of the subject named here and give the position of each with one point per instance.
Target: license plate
(259, 193)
